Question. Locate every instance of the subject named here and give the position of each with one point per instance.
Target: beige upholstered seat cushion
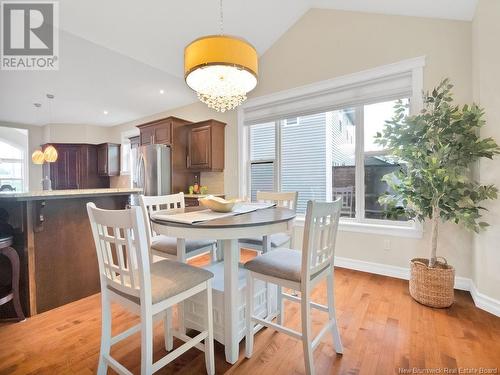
(277, 240)
(280, 263)
(169, 278)
(169, 244)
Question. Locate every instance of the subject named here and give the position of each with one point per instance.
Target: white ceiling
(448, 9)
(116, 55)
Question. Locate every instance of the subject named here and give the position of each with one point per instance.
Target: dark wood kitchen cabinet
(75, 168)
(108, 159)
(160, 131)
(206, 146)
(170, 131)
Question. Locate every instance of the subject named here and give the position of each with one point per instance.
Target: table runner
(194, 217)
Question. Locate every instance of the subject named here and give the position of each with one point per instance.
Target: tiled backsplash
(214, 181)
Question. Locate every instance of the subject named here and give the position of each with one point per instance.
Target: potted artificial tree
(437, 148)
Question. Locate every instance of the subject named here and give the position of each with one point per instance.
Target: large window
(319, 156)
(319, 140)
(12, 168)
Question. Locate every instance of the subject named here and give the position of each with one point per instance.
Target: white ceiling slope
(91, 79)
(117, 54)
(448, 9)
(156, 32)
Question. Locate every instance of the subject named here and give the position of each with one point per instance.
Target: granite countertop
(62, 194)
(201, 195)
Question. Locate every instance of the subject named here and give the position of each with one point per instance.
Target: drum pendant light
(221, 69)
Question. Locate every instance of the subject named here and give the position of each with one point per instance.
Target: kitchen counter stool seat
(169, 279)
(264, 244)
(168, 245)
(149, 290)
(277, 240)
(11, 254)
(300, 271)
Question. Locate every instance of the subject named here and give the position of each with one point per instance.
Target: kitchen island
(53, 238)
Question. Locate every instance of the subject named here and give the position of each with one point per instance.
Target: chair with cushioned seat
(282, 199)
(147, 289)
(302, 271)
(164, 246)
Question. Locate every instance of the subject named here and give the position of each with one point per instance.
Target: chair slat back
(282, 199)
(151, 204)
(121, 246)
(347, 196)
(320, 232)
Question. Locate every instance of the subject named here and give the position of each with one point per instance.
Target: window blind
(328, 95)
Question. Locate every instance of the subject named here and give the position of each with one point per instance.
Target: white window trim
(124, 140)
(415, 66)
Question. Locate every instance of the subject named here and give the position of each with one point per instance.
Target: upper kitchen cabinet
(108, 159)
(159, 131)
(75, 168)
(206, 146)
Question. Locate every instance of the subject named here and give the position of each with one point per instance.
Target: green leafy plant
(438, 146)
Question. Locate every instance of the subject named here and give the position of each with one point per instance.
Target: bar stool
(301, 271)
(147, 289)
(11, 254)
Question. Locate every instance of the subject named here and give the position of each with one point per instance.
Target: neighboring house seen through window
(319, 156)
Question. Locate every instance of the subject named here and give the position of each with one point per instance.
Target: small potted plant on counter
(437, 148)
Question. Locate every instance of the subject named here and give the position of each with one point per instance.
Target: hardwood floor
(383, 331)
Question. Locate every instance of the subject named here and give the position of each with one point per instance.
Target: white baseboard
(484, 302)
(481, 301)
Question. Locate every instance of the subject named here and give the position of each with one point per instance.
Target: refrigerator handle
(140, 175)
(136, 171)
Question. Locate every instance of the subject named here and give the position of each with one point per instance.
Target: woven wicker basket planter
(432, 286)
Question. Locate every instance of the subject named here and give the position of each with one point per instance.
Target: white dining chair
(347, 196)
(149, 290)
(164, 246)
(300, 271)
(281, 199)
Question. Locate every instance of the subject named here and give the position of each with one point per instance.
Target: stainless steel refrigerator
(154, 170)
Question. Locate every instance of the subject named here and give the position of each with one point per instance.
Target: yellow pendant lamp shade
(221, 69)
(37, 157)
(50, 154)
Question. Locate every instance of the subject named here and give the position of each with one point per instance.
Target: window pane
(11, 170)
(343, 135)
(262, 154)
(375, 168)
(262, 144)
(262, 178)
(16, 184)
(10, 152)
(375, 116)
(304, 158)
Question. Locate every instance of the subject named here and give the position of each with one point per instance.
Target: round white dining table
(227, 231)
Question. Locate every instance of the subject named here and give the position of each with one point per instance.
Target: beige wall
(486, 79)
(63, 133)
(325, 44)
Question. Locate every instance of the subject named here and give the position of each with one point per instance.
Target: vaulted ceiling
(116, 55)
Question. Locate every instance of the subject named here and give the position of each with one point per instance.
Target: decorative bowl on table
(217, 204)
